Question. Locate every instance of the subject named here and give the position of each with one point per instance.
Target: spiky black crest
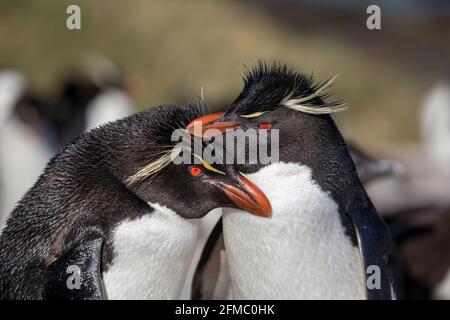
(269, 87)
(168, 118)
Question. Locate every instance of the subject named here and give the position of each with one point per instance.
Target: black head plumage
(268, 87)
(168, 118)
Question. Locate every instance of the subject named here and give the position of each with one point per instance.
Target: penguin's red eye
(195, 171)
(265, 126)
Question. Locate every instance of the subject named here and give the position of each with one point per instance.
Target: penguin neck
(301, 252)
(315, 142)
(151, 256)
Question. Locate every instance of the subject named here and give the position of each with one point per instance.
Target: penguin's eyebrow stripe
(163, 161)
(253, 115)
(154, 166)
(302, 103)
(208, 166)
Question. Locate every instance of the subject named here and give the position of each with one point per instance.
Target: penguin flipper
(210, 269)
(76, 275)
(374, 242)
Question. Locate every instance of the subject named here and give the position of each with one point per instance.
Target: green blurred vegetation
(169, 49)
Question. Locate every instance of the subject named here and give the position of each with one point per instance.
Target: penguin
(35, 128)
(26, 139)
(88, 99)
(112, 216)
(370, 169)
(325, 239)
(435, 126)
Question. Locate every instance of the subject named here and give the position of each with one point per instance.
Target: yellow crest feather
(300, 104)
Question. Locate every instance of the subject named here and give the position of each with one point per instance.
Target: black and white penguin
(371, 169)
(114, 209)
(325, 239)
(435, 126)
(34, 128)
(87, 99)
(26, 139)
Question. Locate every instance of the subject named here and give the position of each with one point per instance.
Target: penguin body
(111, 207)
(294, 254)
(86, 101)
(25, 140)
(339, 238)
(109, 105)
(435, 126)
(32, 129)
(128, 277)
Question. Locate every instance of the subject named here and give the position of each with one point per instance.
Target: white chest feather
(302, 252)
(151, 256)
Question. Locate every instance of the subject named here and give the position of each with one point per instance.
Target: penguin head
(269, 99)
(193, 190)
(181, 179)
(279, 98)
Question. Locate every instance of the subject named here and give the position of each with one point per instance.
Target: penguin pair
(325, 239)
(113, 216)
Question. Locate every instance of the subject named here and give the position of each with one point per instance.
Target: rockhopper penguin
(115, 210)
(325, 238)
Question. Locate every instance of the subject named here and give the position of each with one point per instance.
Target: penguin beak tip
(250, 198)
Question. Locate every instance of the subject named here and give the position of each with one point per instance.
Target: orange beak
(207, 127)
(252, 199)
